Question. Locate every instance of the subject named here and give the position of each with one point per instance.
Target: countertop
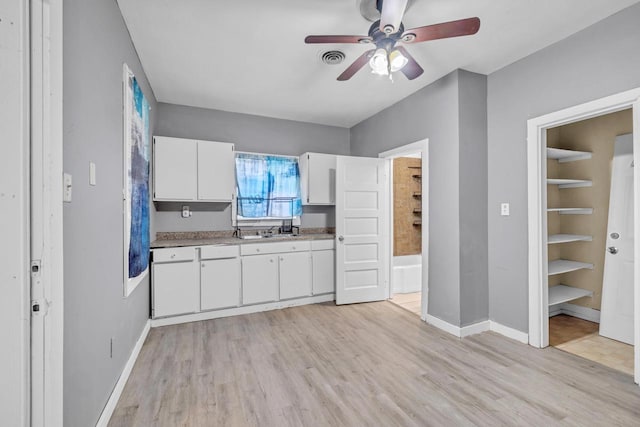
(175, 243)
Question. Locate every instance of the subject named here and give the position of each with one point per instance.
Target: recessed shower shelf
(569, 183)
(563, 293)
(568, 238)
(561, 266)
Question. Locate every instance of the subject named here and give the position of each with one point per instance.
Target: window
(268, 187)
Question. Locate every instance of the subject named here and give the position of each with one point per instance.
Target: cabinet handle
(281, 259)
(257, 249)
(203, 265)
(271, 260)
(293, 247)
(173, 256)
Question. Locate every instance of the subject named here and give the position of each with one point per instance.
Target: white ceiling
(249, 56)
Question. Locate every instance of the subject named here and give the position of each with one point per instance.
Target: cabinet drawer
(319, 245)
(275, 248)
(218, 252)
(174, 254)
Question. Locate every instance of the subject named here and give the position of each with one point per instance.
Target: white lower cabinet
(175, 283)
(259, 279)
(295, 275)
(229, 276)
(219, 283)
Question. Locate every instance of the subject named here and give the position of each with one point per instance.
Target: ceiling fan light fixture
(397, 61)
(379, 62)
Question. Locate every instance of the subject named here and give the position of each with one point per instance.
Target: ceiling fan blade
(462, 27)
(356, 66)
(391, 15)
(412, 70)
(337, 39)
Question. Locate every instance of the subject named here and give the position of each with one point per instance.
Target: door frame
(47, 287)
(537, 201)
(421, 146)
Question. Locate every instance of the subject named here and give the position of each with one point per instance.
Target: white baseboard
(476, 328)
(508, 332)
(457, 331)
(208, 315)
(103, 421)
(578, 311)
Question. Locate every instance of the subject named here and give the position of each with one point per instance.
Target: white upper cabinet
(216, 171)
(318, 178)
(175, 162)
(191, 170)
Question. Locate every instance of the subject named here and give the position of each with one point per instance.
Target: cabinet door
(324, 272)
(216, 171)
(259, 279)
(175, 288)
(219, 283)
(295, 275)
(174, 169)
(322, 179)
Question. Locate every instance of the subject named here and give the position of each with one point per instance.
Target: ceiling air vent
(333, 57)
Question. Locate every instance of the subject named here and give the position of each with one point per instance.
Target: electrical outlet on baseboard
(504, 209)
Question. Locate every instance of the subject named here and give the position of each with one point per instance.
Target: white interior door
(616, 316)
(362, 229)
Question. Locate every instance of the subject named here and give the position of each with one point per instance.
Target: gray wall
(474, 276)
(436, 112)
(96, 43)
(248, 133)
(599, 61)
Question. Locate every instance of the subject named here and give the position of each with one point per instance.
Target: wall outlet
(504, 209)
(186, 212)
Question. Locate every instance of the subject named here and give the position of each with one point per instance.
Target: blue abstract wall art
(136, 148)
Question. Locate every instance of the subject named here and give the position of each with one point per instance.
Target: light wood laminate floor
(411, 301)
(361, 365)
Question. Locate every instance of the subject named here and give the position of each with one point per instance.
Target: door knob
(613, 250)
(341, 239)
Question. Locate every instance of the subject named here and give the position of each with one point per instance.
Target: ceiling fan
(387, 57)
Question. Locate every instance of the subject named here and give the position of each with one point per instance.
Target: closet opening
(572, 236)
(590, 242)
(408, 227)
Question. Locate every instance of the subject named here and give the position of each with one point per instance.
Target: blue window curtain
(268, 186)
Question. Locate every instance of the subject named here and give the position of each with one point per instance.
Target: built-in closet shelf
(560, 266)
(572, 211)
(563, 293)
(417, 223)
(417, 211)
(569, 183)
(414, 167)
(565, 156)
(417, 194)
(417, 176)
(568, 238)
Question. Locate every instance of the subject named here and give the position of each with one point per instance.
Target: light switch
(504, 209)
(66, 187)
(92, 173)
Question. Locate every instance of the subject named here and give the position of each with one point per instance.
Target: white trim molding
(476, 328)
(537, 202)
(508, 332)
(107, 412)
(422, 147)
(584, 313)
(536, 160)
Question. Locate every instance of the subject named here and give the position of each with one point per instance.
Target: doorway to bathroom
(408, 193)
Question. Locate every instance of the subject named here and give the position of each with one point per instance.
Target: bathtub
(407, 274)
